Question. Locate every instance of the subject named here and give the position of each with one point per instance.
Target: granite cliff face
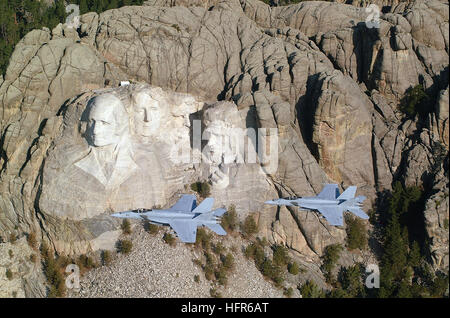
(330, 85)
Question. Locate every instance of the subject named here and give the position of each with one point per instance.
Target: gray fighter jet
(184, 217)
(329, 203)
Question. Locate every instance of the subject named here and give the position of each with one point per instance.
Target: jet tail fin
(349, 193)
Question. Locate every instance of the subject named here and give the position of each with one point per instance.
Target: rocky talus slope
(155, 269)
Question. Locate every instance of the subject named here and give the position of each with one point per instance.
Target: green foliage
(337, 293)
(12, 238)
(197, 279)
(62, 261)
(44, 249)
(85, 262)
(269, 268)
(414, 256)
(151, 228)
(18, 17)
(124, 246)
(280, 255)
(228, 262)
(350, 279)
(176, 27)
(54, 275)
(230, 220)
(218, 248)
(11, 254)
(209, 267)
(249, 227)
(9, 274)
(33, 258)
(288, 292)
(404, 270)
(31, 239)
(106, 257)
(402, 252)
(221, 275)
(415, 101)
(255, 250)
(169, 239)
(311, 290)
(202, 188)
(330, 258)
(215, 293)
(293, 268)
(203, 239)
(272, 271)
(439, 285)
(126, 227)
(446, 224)
(356, 233)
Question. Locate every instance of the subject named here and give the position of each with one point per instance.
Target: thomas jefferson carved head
(148, 111)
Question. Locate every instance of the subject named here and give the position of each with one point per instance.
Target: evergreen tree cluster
(404, 269)
(416, 102)
(18, 17)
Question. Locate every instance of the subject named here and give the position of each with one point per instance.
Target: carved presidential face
(146, 115)
(219, 138)
(106, 121)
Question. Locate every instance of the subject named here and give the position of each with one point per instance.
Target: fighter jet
(329, 203)
(184, 217)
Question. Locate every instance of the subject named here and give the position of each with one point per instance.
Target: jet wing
(205, 206)
(186, 203)
(186, 231)
(329, 191)
(334, 215)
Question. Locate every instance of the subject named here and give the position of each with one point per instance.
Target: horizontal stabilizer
(348, 194)
(219, 212)
(205, 206)
(217, 229)
(359, 213)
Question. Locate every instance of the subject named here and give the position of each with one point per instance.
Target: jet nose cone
(116, 215)
(270, 202)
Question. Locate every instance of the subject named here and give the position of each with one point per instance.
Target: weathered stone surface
(436, 221)
(439, 120)
(342, 130)
(313, 70)
(27, 277)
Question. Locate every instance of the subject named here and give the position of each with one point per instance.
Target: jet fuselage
(164, 217)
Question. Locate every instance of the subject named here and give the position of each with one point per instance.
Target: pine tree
(83, 7)
(113, 4)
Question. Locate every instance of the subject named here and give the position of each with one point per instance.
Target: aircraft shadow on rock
(329, 203)
(184, 217)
